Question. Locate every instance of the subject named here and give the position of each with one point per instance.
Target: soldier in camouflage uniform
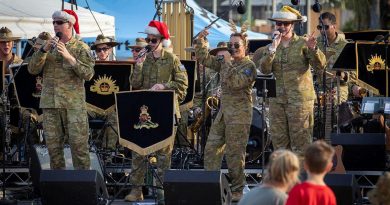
(66, 63)
(158, 70)
(230, 129)
(103, 47)
(6, 44)
(289, 58)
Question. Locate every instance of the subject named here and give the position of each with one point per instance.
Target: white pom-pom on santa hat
(159, 28)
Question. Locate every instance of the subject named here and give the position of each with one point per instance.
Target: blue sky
(131, 16)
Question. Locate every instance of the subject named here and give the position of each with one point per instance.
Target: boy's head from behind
(318, 157)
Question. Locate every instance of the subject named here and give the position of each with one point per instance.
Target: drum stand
(264, 95)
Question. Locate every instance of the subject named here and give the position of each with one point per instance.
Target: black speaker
(185, 187)
(362, 152)
(40, 160)
(344, 186)
(64, 187)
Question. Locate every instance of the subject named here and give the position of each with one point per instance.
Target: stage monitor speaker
(77, 187)
(185, 187)
(362, 152)
(40, 160)
(344, 186)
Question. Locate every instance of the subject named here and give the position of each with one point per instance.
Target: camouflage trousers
(109, 139)
(291, 125)
(70, 125)
(139, 164)
(230, 139)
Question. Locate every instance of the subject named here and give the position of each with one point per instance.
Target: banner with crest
(110, 77)
(145, 120)
(372, 64)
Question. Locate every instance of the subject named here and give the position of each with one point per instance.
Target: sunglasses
(102, 49)
(278, 23)
(59, 22)
(136, 50)
(326, 27)
(152, 40)
(235, 45)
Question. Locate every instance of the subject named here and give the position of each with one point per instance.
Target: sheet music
(387, 107)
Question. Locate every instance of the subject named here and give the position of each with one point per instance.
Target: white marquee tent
(28, 18)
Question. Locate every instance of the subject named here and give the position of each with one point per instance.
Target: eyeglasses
(136, 50)
(326, 27)
(153, 40)
(102, 49)
(59, 22)
(279, 23)
(235, 45)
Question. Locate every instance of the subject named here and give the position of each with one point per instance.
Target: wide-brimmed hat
(6, 35)
(192, 48)
(288, 14)
(40, 40)
(101, 39)
(139, 43)
(221, 46)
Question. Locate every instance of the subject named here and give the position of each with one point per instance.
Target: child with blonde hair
(314, 191)
(282, 174)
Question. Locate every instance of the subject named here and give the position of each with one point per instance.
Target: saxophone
(211, 103)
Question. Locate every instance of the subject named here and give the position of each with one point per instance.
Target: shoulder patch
(247, 72)
(182, 68)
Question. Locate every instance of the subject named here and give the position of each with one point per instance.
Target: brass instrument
(211, 103)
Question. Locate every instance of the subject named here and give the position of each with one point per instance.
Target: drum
(255, 141)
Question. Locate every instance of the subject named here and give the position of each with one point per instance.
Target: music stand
(146, 122)
(255, 44)
(262, 81)
(110, 77)
(368, 35)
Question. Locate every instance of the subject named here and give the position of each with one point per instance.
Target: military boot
(236, 196)
(135, 195)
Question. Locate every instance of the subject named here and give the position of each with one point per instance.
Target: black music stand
(110, 77)
(145, 123)
(255, 44)
(368, 35)
(266, 87)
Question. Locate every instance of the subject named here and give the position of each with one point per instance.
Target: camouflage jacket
(166, 70)
(63, 84)
(332, 53)
(291, 68)
(237, 80)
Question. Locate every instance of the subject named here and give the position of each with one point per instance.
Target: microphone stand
(325, 44)
(158, 10)
(7, 129)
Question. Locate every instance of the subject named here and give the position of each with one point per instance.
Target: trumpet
(211, 103)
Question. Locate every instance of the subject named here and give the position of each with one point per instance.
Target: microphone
(146, 50)
(316, 7)
(277, 35)
(294, 2)
(59, 36)
(241, 8)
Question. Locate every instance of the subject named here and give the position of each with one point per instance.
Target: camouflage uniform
(166, 70)
(63, 102)
(231, 127)
(291, 112)
(332, 53)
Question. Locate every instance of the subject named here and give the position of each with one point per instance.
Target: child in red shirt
(314, 191)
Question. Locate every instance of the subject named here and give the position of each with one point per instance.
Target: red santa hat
(159, 28)
(70, 16)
